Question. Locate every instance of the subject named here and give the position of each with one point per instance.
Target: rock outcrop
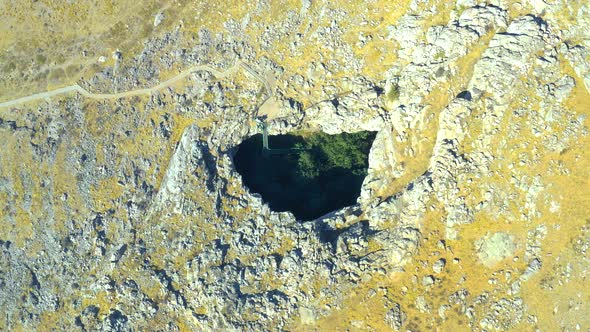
(128, 214)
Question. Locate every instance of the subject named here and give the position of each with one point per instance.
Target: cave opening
(307, 173)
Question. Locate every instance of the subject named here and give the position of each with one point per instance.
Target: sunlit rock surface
(122, 210)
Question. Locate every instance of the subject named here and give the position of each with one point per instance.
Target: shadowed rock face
(308, 176)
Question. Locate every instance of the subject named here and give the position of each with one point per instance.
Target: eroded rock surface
(127, 213)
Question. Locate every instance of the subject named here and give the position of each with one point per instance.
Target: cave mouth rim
(302, 133)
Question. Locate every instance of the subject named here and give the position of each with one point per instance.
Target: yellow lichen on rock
(122, 208)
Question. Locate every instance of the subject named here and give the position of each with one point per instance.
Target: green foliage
(57, 75)
(439, 55)
(308, 166)
(9, 67)
(40, 58)
(321, 174)
(72, 70)
(324, 153)
(393, 93)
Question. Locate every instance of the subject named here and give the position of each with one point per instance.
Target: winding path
(182, 75)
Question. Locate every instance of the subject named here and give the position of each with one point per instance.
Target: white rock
(158, 19)
(439, 265)
(492, 249)
(395, 317)
(465, 3)
(427, 280)
(422, 305)
(508, 56)
(538, 5)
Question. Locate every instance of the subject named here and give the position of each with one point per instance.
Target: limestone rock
(439, 265)
(122, 209)
(395, 317)
(508, 56)
(493, 248)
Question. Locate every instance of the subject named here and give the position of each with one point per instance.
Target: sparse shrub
(40, 59)
(393, 93)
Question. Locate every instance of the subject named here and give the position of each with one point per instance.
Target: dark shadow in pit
(308, 175)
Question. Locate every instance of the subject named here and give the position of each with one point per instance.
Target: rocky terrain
(126, 213)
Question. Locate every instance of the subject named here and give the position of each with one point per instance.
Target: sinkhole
(309, 174)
